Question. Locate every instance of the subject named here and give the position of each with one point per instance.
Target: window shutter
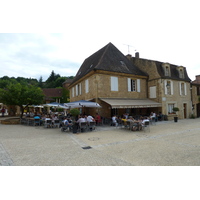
(80, 89)
(129, 84)
(73, 92)
(114, 83)
(185, 87)
(165, 88)
(180, 88)
(172, 87)
(138, 85)
(76, 90)
(86, 86)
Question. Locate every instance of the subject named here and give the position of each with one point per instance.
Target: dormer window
(167, 71)
(181, 72)
(166, 68)
(122, 63)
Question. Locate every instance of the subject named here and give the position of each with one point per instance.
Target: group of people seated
(42, 117)
(81, 118)
(135, 124)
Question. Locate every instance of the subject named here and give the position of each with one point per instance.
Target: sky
(37, 37)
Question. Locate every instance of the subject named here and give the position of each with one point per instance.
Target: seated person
(114, 120)
(145, 120)
(67, 123)
(136, 126)
(160, 116)
(90, 119)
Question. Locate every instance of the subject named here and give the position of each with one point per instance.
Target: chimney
(137, 55)
(129, 56)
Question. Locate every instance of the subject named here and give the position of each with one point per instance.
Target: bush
(175, 109)
(192, 116)
(74, 112)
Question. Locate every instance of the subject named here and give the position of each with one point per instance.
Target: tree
(21, 94)
(40, 82)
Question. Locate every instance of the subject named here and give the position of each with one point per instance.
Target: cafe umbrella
(82, 103)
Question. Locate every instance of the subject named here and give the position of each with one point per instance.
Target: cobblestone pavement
(167, 143)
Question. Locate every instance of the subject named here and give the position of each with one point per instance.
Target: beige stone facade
(196, 96)
(107, 74)
(99, 86)
(177, 95)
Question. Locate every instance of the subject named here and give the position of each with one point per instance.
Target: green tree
(40, 82)
(21, 94)
(50, 82)
(65, 96)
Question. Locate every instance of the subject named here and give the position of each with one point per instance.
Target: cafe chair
(146, 126)
(56, 123)
(82, 127)
(36, 122)
(48, 124)
(128, 125)
(92, 126)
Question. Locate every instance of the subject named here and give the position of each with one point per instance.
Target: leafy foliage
(21, 94)
(74, 112)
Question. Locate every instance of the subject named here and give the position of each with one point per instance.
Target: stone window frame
(181, 72)
(133, 85)
(166, 68)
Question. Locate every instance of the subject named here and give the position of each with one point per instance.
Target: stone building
(196, 96)
(167, 84)
(112, 80)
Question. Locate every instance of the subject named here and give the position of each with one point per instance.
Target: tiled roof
(174, 72)
(108, 58)
(52, 92)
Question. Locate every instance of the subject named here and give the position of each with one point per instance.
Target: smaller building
(52, 94)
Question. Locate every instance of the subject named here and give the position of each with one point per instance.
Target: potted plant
(176, 109)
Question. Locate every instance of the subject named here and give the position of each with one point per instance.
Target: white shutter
(114, 83)
(86, 86)
(172, 87)
(165, 87)
(153, 92)
(129, 84)
(185, 87)
(76, 90)
(73, 92)
(138, 85)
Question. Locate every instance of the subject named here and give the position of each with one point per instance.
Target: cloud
(33, 55)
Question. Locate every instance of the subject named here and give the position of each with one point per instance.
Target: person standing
(3, 111)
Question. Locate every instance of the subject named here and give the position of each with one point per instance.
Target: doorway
(198, 110)
(185, 110)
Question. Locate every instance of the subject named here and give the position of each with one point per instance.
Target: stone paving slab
(167, 144)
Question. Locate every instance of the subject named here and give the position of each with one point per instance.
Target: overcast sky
(40, 36)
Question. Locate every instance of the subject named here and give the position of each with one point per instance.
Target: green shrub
(74, 112)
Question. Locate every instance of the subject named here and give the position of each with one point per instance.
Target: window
(170, 108)
(86, 86)
(181, 74)
(166, 68)
(114, 83)
(198, 90)
(168, 85)
(133, 85)
(78, 89)
(167, 71)
(123, 64)
(183, 90)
